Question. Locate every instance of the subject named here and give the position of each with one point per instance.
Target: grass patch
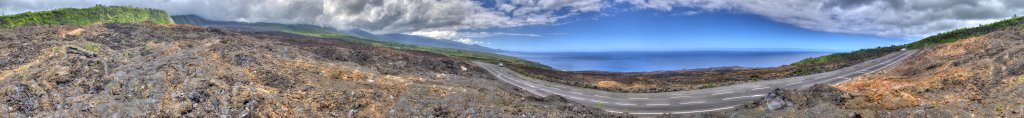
(999, 108)
(756, 78)
(125, 54)
(710, 85)
(24, 71)
(86, 16)
(91, 47)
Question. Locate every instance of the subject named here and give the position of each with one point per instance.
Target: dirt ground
(148, 70)
(977, 77)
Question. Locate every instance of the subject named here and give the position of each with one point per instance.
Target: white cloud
(466, 37)
(376, 16)
(873, 17)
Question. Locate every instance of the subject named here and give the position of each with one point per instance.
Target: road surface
(684, 102)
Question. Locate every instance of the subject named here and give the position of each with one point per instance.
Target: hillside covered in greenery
(86, 16)
(946, 37)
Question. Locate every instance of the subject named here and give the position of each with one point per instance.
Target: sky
(605, 25)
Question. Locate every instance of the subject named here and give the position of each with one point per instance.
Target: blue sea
(663, 60)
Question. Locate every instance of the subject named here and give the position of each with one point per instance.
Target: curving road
(684, 102)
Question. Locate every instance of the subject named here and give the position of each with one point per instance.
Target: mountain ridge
(397, 38)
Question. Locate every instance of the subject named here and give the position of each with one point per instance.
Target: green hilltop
(86, 16)
(945, 37)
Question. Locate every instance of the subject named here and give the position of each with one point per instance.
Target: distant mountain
(418, 40)
(396, 38)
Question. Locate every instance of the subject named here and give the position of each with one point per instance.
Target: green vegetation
(91, 48)
(86, 16)
(946, 37)
(125, 54)
(756, 77)
(846, 56)
(999, 108)
(710, 85)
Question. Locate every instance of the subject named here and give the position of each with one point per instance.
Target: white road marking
(612, 111)
(657, 104)
(722, 93)
(598, 101)
(624, 104)
(760, 88)
(805, 86)
(742, 97)
(794, 83)
(639, 98)
(647, 113)
(679, 97)
(886, 65)
(684, 103)
(686, 112)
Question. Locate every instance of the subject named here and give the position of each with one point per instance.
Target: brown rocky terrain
(148, 70)
(976, 77)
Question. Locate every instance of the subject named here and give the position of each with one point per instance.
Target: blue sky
(606, 25)
(653, 30)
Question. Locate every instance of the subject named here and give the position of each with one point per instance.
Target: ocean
(662, 60)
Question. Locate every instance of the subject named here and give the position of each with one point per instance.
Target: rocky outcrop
(775, 100)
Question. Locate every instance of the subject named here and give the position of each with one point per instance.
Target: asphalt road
(684, 102)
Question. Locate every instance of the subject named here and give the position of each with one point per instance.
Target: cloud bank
(377, 16)
(445, 19)
(887, 18)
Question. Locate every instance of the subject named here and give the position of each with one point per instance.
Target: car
(501, 64)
